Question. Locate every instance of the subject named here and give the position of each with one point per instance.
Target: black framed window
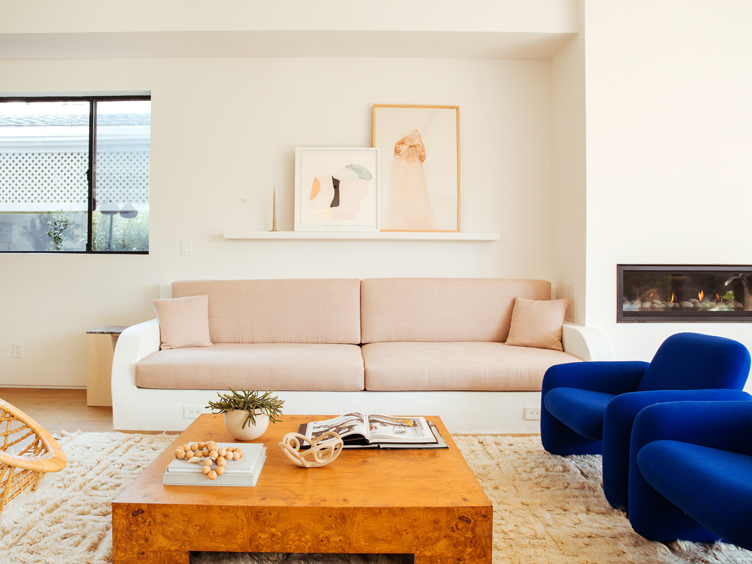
(74, 174)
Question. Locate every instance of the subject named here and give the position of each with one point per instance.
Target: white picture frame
(337, 189)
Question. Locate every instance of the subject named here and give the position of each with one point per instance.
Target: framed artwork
(336, 189)
(420, 167)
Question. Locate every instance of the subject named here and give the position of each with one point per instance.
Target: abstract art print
(336, 189)
(420, 167)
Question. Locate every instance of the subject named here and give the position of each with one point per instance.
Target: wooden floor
(59, 410)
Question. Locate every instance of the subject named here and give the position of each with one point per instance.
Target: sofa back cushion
(442, 309)
(279, 311)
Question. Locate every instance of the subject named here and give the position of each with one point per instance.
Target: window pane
(44, 152)
(121, 218)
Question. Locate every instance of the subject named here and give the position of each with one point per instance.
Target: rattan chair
(36, 453)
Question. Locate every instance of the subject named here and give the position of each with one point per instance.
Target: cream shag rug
(547, 509)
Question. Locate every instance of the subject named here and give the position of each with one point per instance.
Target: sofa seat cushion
(457, 366)
(274, 366)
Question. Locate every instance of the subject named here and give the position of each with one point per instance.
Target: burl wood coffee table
(422, 502)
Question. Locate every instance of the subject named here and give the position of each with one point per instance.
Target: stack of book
(243, 472)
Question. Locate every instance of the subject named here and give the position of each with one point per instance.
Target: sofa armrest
(586, 343)
(135, 343)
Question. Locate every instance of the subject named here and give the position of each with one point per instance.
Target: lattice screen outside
(123, 177)
(49, 181)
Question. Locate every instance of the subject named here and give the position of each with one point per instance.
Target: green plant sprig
(249, 401)
(57, 227)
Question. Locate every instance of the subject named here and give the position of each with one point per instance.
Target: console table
(100, 347)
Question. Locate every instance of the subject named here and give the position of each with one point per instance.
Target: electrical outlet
(532, 412)
(192, 411)
(17, 349)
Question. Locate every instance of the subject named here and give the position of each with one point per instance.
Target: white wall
(668, 87)
(568, 218)
(632, 145)
(226, 129)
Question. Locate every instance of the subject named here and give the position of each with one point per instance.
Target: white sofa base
(141, 409)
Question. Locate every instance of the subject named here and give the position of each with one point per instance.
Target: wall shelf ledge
(361, 235)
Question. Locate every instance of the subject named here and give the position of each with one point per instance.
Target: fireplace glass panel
(652, 293)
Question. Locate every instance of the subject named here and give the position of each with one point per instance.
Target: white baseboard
(464, 412)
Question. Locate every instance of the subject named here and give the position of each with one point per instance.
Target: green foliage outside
(56, 228)
(127, 234)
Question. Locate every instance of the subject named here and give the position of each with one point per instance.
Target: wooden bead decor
(207, 455)
(323, 450)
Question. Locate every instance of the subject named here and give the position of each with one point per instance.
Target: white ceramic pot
(234, 420)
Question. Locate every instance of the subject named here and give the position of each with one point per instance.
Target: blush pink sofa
(329, 346)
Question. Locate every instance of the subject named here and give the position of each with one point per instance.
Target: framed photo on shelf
(336, 189)
(420, 167)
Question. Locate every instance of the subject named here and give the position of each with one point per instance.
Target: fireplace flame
(673, 297)
(701, 295)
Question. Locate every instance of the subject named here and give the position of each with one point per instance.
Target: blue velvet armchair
(691, 472)
(589, 407)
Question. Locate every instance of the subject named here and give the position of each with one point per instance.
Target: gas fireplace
(680, 294)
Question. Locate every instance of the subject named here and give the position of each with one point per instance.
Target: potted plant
(241, 408)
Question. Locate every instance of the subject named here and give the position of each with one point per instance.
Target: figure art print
(420, 158)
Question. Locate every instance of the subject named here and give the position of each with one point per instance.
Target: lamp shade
(128, 211)
(109, 209)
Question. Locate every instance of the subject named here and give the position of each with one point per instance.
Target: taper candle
(274, 209)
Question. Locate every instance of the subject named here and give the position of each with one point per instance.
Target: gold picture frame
(420, 167)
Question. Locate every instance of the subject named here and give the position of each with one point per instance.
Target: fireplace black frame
(622, 316)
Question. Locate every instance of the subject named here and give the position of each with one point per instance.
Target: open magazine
(360, 430)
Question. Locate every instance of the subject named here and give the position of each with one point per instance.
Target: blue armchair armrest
(599, 382)
(717, 424)
(610, 377)
(617, 432)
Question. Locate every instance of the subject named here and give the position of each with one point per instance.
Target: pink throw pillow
(537, 323)
(183, 322)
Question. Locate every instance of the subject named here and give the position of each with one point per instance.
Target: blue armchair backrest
(691, 361)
